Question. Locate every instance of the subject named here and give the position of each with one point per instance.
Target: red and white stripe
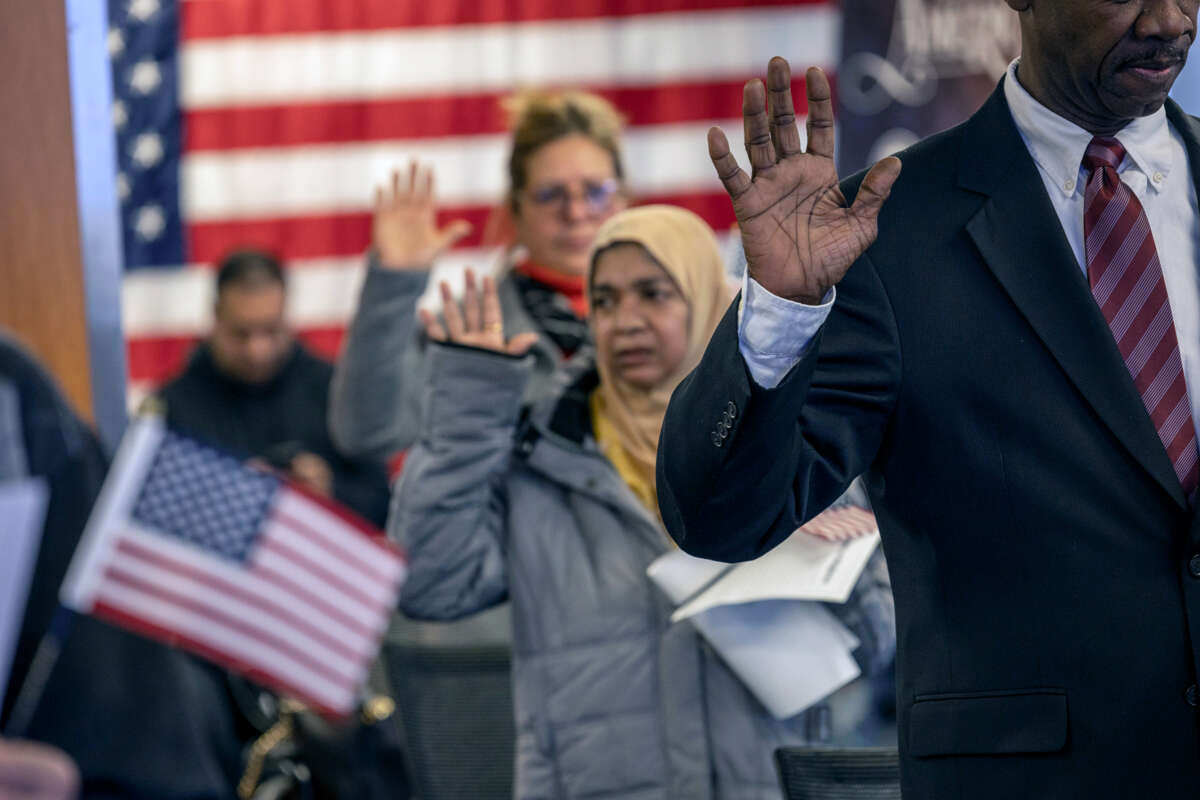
(216, 19)
(342, 92)
(305, 615)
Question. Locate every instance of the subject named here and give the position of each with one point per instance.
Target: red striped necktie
(1126, 280)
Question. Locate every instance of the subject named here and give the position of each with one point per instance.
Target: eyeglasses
(597, 195)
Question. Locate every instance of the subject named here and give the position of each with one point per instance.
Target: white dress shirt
(773, 333)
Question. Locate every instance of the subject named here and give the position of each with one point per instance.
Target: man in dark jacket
(252, 388)
(1012, 361)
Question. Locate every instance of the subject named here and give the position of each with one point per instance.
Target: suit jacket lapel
(1189, 129)
(1019, 236)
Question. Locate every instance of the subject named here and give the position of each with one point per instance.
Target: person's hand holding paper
(765, 617)
(818, 564)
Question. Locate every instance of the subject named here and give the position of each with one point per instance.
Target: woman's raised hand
(477, 322)
(799, 235)
(404, 229)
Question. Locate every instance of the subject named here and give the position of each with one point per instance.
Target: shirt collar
(1057, 144)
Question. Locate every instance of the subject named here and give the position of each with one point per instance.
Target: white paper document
(790, 654)
(22, 511)
(765, 618)
(803, 567)
(681, 576)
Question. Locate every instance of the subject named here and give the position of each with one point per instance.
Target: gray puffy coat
(611, 699)
(375, 400)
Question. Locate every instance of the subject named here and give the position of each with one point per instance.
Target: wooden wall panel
(41, 277)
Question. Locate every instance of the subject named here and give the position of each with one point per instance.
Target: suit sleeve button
(731, 409)
(1193, 695)
(1194, 566)
(717, 440)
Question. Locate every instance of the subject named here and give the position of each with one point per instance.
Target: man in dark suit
(1007, 356)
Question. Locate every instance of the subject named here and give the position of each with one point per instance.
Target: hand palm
(408, 234)
(404, 228)
(798, 233)
(477, 322)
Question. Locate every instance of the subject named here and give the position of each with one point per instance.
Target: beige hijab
(685, 247)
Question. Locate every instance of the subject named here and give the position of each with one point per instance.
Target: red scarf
(572, 287)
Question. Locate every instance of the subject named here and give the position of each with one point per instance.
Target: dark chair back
(837, 773)
(455, 705)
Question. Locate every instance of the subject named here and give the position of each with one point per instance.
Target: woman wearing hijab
(552, 507)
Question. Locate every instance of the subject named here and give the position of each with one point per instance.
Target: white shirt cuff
(774, 333)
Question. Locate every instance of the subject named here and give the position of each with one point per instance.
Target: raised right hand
(478, 322)
(799, 235)
(404, 230)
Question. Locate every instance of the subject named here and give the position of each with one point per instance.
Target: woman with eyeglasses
(565, 179)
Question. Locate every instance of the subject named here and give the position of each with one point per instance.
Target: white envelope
(790, 654)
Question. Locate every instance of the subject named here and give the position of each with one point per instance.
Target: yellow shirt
(610, 445)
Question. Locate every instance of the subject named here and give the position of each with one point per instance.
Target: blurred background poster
(910, 68)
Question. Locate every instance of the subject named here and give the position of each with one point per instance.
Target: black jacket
(1042, 553)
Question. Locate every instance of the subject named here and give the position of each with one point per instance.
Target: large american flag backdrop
(268, 122)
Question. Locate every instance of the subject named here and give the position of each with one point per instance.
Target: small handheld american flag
(191, 547)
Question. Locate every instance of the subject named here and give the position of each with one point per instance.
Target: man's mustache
(1156, 57)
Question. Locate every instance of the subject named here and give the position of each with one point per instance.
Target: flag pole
(38, 676)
